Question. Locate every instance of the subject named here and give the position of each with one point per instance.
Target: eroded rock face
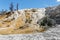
(22, 21)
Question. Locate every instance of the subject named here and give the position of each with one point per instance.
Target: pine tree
(11, 7)
(17, 7)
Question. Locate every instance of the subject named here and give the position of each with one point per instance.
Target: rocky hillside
(21, 21)
(29, 20)
(54, 13)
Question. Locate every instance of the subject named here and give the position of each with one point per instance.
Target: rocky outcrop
(25, 20)
(54, 13)
(22, 21)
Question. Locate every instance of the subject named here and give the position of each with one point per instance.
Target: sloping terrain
(22, 21)
(22, 24)
(50, 34)
(54, 13)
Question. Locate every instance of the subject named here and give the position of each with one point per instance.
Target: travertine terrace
(21, 21)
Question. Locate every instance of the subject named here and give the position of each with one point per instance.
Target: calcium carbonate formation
(21, 21)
